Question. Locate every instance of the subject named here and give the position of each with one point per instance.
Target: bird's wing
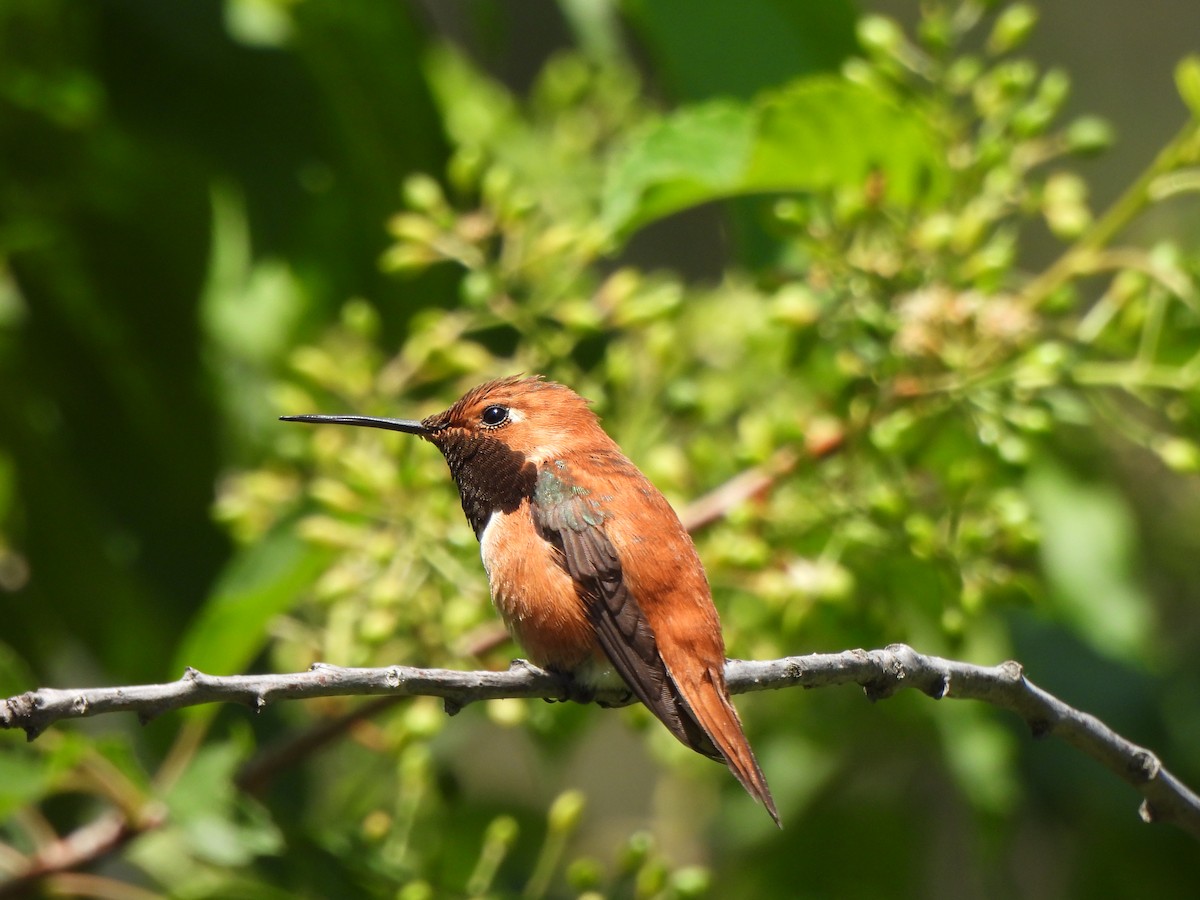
(573, 522)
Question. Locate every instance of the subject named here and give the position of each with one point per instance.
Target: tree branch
(880, 672)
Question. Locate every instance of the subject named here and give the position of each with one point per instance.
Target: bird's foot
(573, 690)
(570, 690)
(623, 699)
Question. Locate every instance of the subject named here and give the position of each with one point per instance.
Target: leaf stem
(1180, 150)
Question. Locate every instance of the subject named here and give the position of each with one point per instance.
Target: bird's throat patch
(491, 476)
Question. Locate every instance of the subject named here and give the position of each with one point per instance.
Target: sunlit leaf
(258, 584)
(814, 135)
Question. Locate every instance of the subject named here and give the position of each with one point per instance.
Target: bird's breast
(533, 593)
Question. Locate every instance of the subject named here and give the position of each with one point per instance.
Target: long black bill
(408, 426)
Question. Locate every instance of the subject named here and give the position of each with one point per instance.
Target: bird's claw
(572, 691)
(623, 699)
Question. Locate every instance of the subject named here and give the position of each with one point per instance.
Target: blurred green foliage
(974, 401)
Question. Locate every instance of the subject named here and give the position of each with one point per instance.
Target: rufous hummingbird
(589, 566)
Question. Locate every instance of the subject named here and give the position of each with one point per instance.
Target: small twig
(880, 672)
(1180, 150)
(744, 486)
(84, 846)
(256, 774)
(822, 441)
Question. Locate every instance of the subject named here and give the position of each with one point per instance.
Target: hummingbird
(589, 566)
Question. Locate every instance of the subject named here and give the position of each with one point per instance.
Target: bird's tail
(718, 734)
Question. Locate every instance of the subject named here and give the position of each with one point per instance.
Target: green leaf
(689, 158)
(257, 585)
(223, 826)
(979, 749)
(706, 50)
(816, 134)
(212, 829)
(24, 779)
(1089, 557)
(27, 773)
(822, 134)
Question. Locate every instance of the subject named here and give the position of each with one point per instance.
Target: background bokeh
(214, 213)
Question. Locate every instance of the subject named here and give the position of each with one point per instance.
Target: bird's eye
(494, 415)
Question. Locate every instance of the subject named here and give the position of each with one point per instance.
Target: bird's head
(527, 417)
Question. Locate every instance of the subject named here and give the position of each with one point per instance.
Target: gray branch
(880, 672)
